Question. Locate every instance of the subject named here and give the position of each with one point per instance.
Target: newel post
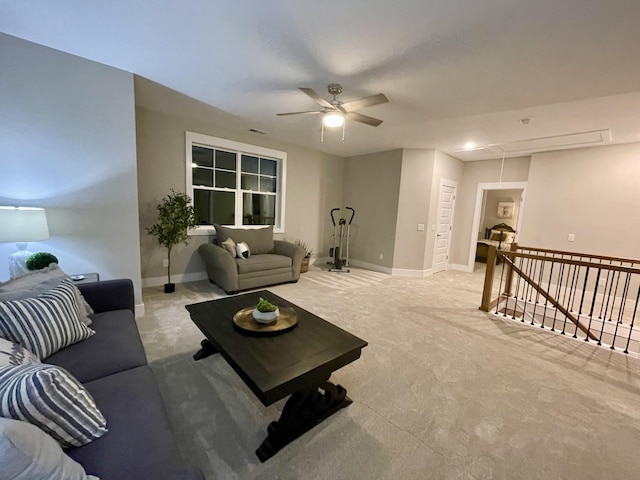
(488, 279)
(509, 273)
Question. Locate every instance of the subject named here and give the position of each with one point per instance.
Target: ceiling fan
(335, 111)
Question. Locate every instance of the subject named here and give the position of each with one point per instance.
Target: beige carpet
(443, 391)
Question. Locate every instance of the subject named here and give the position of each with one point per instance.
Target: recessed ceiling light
(469, 145)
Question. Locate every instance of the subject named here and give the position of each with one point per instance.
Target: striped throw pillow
(50, 398)
(46, 323)
(12, 354)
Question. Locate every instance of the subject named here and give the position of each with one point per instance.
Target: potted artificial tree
(307, 255)
(175, 218)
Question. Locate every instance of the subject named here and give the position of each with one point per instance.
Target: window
(235, 184)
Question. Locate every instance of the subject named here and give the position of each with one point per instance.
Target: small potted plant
(265, 311)
(175, 217)
(307, 255)
(40, 260)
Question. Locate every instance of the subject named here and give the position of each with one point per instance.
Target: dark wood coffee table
(298, 362)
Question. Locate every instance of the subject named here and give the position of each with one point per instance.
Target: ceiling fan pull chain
(344, 125)
(322, 132)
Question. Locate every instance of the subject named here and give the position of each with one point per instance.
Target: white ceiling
(455, 71)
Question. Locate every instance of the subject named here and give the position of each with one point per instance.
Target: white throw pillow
(27, 453)
(12, 354)
(50, 398)
(242, 249)
(39, 281)
(230, 246)
(46, 323)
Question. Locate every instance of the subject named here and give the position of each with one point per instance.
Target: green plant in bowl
(265, 306)
(265, 312)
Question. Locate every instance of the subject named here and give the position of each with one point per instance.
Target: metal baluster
(500, 290)
(605, 297)
(623, 300)
(573, 279)
(606, 308)
(572, 296)
(593, 306)
(558, 295)
(515, 296)
(544, 312)
(584, 291)
(555, 310)
(615, 294)
(633, 320)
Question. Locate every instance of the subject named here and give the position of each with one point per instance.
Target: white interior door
(447, 197)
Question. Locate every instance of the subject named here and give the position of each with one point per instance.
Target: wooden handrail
(551, 300)
(576, 254)
(567, 261)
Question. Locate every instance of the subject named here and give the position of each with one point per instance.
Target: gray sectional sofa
(113, 367)
(270, 261)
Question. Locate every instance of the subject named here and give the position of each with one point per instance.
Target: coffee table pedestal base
(302, 411)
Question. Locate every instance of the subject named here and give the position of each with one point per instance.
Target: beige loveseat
(270, 261)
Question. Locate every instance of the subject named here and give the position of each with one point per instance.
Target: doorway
(496, 203)
(446, 202)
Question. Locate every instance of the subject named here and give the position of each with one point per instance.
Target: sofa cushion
(12, 354)
(34, 283)
(140, 444)
(27, 453)
(260, 240)
(46, 323)
(258, 263)
(51, 399)
(115, 347)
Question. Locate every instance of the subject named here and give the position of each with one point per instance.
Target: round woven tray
(288, 319)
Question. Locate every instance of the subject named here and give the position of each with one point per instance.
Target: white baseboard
(405, 272)
(186, 277)
(460, 268)
(139, 310)
(371, 266)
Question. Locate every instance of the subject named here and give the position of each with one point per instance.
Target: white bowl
(265, 317)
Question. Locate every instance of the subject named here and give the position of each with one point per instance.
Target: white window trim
(223, 143)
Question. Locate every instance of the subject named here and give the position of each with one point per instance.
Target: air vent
(557, 142)
(259, 132)
(477, 153)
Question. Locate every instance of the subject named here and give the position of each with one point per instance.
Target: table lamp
(22, 225)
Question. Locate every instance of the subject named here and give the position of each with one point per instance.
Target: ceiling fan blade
(299, 113)
(358, 117)
(364, 102)
(317, 98)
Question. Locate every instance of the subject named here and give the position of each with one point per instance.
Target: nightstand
(88, 277)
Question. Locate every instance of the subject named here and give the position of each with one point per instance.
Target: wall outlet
(421, 227)
(602, 282)
(571, 237)
(165, 263)
(381, 256)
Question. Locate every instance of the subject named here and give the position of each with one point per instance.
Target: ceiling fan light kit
(334, 112)
(333, 119)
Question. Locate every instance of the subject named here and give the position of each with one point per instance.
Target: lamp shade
(23, 224)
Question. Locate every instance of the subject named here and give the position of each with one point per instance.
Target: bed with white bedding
(500, 236)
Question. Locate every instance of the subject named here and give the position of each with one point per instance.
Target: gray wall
(67, 134)
(473, 173)
(314, 181)
(416, 184)
(372, 187)
(592, 193)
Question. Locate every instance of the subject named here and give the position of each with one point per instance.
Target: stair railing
(593, 297)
